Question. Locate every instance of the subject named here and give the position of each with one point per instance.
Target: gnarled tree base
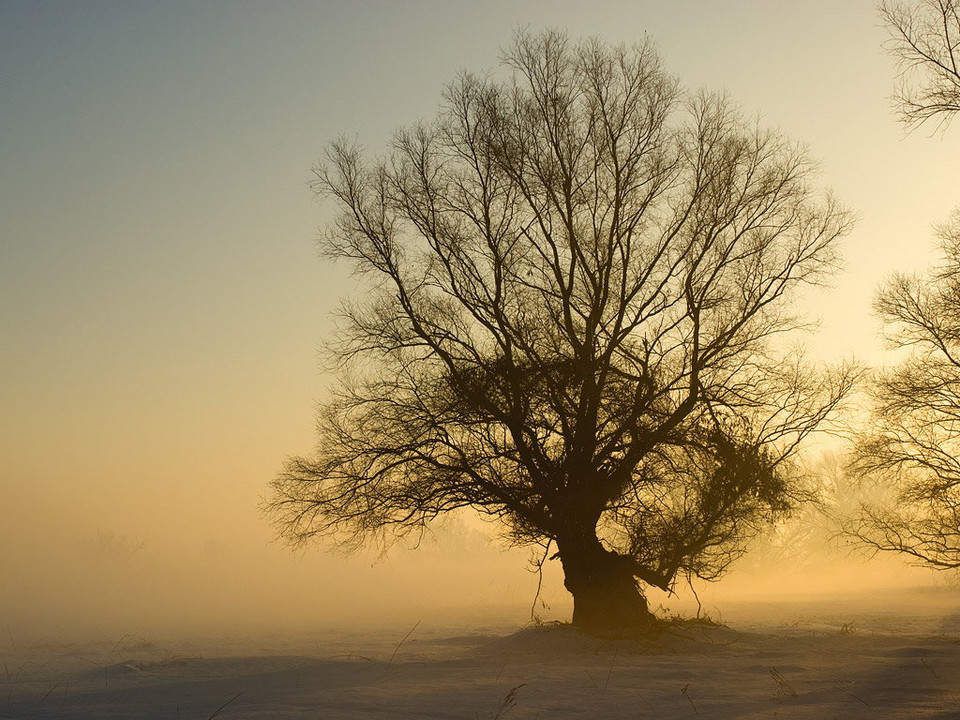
(606, 597)
(612, 607)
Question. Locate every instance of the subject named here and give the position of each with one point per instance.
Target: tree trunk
(606, 597)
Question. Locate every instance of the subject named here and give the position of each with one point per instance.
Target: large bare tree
(913, 445)
(577, 284)
(924, 38)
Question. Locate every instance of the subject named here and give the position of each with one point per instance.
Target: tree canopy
(913, 444)
(575, 319)
(911, 450)
(924, 37)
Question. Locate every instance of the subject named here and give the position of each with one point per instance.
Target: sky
(163, 303)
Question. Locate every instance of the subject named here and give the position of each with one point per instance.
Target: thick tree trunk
(606, 597)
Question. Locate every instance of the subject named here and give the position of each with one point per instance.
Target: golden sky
(162, 301)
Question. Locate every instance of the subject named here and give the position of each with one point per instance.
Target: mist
(71, 577)
(76, 579)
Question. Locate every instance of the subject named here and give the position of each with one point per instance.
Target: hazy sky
(162, 302)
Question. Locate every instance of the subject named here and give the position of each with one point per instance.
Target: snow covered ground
(879, 655)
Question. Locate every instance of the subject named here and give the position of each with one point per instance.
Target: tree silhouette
(913, 444)
(577, 286)
(924, 37)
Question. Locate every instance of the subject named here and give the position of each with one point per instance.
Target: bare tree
(578, 283)
(914, 442)
(924, 37)
(910, 452)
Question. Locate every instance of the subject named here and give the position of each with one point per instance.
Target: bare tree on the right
(924, 38)
(913, 444)
(912, 447)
